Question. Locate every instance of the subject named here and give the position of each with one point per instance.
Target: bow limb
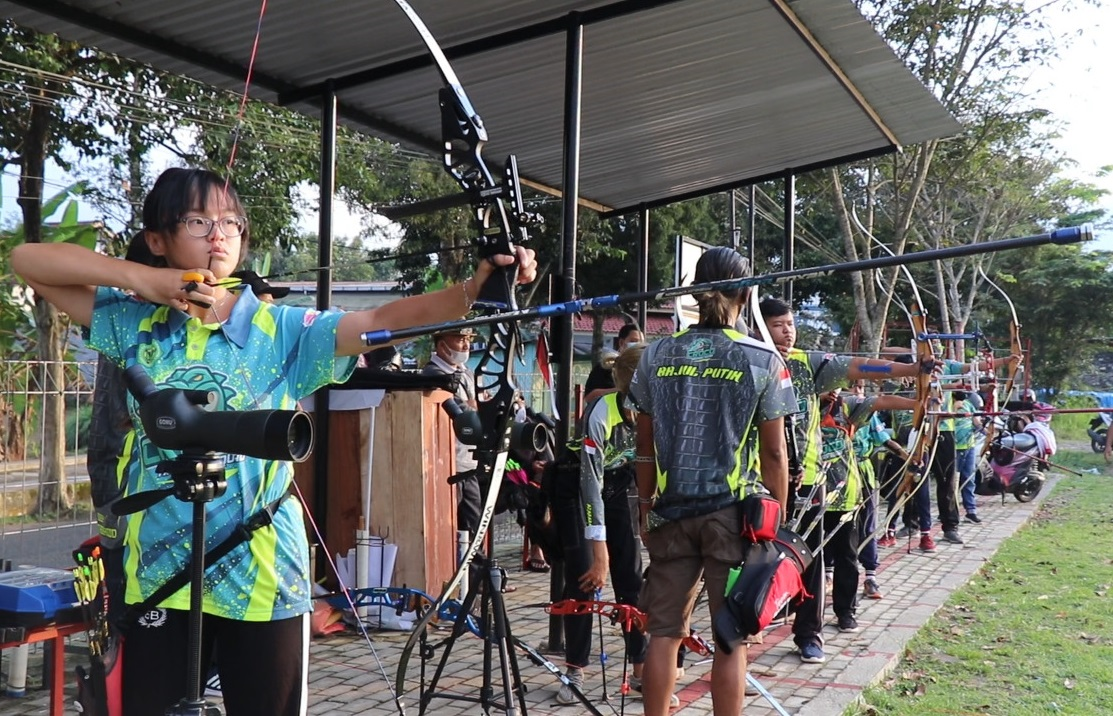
(915, 466)
(794, 467)
(464, 136)
(1015, 345)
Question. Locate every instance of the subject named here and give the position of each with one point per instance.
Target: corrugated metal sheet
(679, 98)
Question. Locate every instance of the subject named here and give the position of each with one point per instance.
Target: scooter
(1013, 466)
(1096, 431)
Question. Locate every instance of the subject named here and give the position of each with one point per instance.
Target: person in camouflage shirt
(710, 432)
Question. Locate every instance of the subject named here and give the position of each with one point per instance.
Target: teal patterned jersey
(263, 357)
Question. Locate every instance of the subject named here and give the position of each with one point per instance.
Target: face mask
(457, 357)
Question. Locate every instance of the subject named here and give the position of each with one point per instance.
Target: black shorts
(262, 665)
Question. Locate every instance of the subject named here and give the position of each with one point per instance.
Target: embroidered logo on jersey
(309, 318)
(153, 619)
(834, 443)
(590, 446)
(786, 379)
(201, 377)
(701, 349)
(148, 353)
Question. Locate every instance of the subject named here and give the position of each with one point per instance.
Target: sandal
(537, 565)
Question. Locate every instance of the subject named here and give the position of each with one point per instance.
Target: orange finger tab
(193, 276)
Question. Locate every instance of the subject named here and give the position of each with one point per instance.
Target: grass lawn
(1032, 632)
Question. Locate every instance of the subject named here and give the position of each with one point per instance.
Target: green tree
(997, 179)
(1063, 297)
(19, 318)
(41, 116)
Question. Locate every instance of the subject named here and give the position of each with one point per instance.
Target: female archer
(198, 334)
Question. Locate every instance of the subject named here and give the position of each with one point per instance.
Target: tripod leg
(511, 676)
(458, 628)
(538, 658)
(487, 693)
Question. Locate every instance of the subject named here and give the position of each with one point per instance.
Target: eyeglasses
(200, 226)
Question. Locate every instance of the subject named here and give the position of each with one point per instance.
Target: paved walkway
(345, 678)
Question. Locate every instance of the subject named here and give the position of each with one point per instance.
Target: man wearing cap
(450, 357)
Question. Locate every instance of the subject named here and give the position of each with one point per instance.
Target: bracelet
(468, 300)
(645, 458)
(647, 500)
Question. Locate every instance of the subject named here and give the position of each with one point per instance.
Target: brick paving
(346, 678)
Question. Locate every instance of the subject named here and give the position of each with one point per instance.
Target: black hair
(624, 333)
(773, 307)
(627, 329)
(139, 252)
(906, 358)
(178, 191)
(719, 264)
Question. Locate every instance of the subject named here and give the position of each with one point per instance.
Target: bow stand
(499, 220)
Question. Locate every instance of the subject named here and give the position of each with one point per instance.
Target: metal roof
(680, 97)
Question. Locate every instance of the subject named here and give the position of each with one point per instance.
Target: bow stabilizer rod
(1069, 235)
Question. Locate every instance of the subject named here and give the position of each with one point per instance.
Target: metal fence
(45, 509)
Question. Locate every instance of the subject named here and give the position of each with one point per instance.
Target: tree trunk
(597, 319)
(13, 446)
(54, 490)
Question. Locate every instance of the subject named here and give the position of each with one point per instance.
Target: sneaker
(971, 517)
(927, 544)
(566, 695)
(888, 540)
(636, 692)
(847, 623)
(870, 589)
(811, 652)
(952, 536)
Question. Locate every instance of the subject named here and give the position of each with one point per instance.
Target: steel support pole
(643, 267)
(324, 299)
(573, 79)
(790, 231)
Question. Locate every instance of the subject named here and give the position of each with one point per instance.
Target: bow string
(1016, 349)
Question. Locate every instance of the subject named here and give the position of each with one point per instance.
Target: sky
(1077, 88)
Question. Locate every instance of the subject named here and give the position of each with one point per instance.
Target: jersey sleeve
(307, 338)
(779, 397)
(115, 322)
(640, 394)
(591, 471)
(830, 370)
(859, 410)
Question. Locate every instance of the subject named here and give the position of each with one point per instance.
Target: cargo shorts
(680, 552)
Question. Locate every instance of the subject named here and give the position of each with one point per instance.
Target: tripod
(198, 478)
(486, 579)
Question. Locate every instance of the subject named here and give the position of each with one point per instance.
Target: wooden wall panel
(411, 502)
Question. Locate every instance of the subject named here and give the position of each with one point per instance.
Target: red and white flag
(546, 370)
